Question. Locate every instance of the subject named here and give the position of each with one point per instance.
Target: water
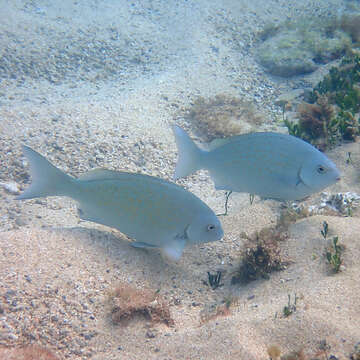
(93, 84)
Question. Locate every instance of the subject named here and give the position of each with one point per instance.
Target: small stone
(34, 303)
(177, 301)
(10, 293)
(11, 187)
(19, 221)
(89, 335)
(12, 337)
(150, 334)
(17, 308)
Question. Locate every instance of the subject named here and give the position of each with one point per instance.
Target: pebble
(151, 334)
(20, 221)
(9, 294)
(89, 335)
(12, 336)
(11, 187)
(177, 301)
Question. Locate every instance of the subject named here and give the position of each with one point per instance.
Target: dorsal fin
(100, 173)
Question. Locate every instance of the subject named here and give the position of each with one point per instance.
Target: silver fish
(270, 165)
(155, 212)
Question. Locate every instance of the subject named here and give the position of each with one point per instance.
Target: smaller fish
(271, 165)
(154, 212)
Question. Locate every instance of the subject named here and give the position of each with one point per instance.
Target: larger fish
(270, 165)
(155, 212)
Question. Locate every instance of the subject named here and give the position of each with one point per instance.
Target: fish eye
(321, 169)
(210, 227)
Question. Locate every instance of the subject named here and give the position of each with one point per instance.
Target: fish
(268, 164)
(154, 212)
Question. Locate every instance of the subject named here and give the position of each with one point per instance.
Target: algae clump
(295, 48)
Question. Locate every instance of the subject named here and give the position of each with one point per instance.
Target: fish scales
(132, 201)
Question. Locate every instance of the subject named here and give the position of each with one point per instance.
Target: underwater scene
(180, 179)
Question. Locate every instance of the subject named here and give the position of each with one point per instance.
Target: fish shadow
(149, 264)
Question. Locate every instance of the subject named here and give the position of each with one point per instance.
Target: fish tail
(46, 179)
(189, 155)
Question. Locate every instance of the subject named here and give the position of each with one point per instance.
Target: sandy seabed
(97, 84)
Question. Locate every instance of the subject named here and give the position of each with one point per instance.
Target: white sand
(56, 271)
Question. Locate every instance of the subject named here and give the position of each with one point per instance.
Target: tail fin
(46, 179)
(189, 155)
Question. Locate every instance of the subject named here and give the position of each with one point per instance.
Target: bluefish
(267, 164)
(154, 212)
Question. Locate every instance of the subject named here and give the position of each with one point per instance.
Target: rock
(299, 49)
(283, 55)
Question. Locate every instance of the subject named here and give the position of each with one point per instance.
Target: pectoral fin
(139, 244)
(300, 180)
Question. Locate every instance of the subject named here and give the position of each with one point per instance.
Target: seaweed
(214, 279)
(317, 123)
(128, 302)
(290, 308)
(294, 355)
(215, 310)
(342, 85)
(332, 113)
(300, 46)
(348, 125)
(223, 116)
(351, 25)
(325, 230)
(333, 255)
(227, 195)
(27, 352)
(294, 129)
(274, 352)
(290, 214)
(356, 354)
(262, 256)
